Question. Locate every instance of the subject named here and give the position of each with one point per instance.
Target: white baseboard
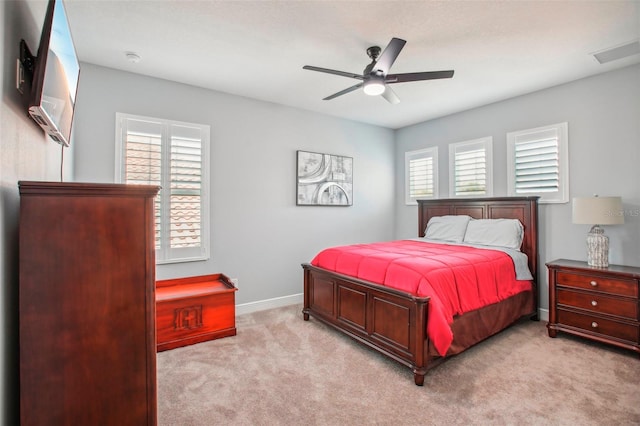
(262, 305)
(543, 314)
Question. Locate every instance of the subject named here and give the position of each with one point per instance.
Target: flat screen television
(55, 76)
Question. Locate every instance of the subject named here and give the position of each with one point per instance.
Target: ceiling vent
(619, 52)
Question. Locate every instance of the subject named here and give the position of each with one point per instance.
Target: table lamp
(597, 211)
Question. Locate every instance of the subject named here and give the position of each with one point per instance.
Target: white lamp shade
(598, 211)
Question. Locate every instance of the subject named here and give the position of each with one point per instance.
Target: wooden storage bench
(193, 310)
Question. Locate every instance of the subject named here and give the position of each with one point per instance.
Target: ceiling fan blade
(328, 71)
(417, 76)
(344, 92)
(390, 95)
(389, 55)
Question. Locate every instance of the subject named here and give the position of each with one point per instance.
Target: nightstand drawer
(599, 325)
(597, 283)
(598, 303)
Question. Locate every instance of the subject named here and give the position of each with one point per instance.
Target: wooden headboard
(525, 209)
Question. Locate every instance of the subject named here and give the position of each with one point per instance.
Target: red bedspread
(458, 279)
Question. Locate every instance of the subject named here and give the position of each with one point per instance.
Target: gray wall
(26, 153)
(603, 113)
(258, 234)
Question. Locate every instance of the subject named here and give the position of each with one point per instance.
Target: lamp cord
(61, 161)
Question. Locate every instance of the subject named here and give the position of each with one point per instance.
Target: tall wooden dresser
(87, 304)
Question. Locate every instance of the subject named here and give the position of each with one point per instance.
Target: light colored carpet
(281, 370)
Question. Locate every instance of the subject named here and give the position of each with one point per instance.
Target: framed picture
(324, 180)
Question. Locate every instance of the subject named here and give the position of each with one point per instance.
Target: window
(538, 163)
(421, 174)
(174, 156)
(470, 168)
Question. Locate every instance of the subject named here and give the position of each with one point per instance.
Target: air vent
(619, 52)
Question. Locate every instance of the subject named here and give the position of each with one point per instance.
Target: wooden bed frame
(393, 322)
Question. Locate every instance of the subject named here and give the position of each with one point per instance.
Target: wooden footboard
(389, 321)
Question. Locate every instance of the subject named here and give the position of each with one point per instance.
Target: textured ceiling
(498, 49)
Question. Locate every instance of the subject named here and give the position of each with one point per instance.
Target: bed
(395, 322)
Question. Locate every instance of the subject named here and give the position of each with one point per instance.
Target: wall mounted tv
(55, 76)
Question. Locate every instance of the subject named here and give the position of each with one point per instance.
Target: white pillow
(495, 232)
(447, 228)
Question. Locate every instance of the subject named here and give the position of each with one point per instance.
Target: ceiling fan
(376, 77)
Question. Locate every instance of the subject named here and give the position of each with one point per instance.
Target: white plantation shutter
(143, 161)
(470, 168)
(470, 171)
(421, 177)
(186, 187)
(538, 163)
(537, 166)
(172, 155)
(421, 174)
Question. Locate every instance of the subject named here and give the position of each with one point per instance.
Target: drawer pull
(593, 283)
(594, 303)
(594, 324)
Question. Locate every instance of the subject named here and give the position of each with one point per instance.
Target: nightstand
(597, 303)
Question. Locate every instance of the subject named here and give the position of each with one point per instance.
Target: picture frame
(324, 179)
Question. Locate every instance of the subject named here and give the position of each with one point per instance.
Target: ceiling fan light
(373, 87)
